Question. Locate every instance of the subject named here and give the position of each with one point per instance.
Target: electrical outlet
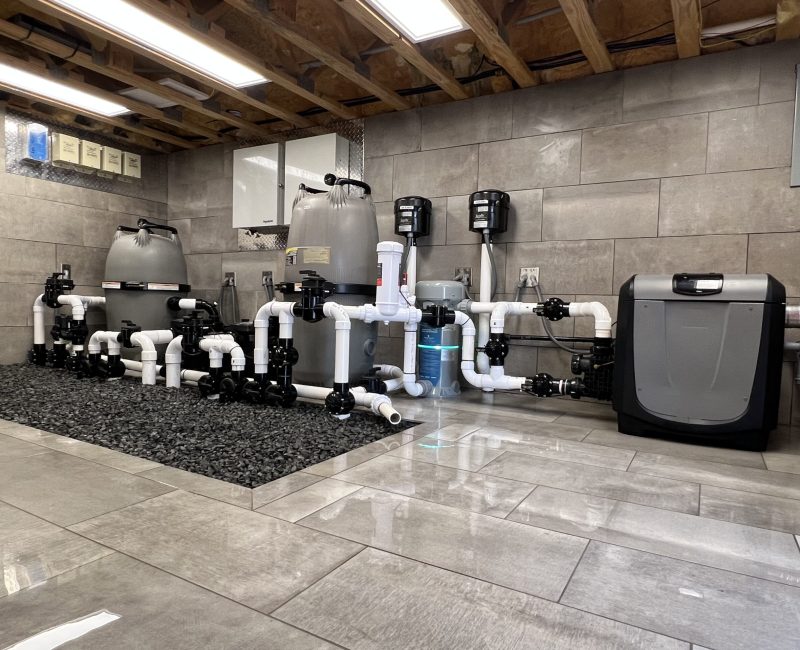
(464, 272)
(266, 278)
(66, 269)
(230, 278)
(531, 275)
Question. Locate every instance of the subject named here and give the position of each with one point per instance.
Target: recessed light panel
(420, 19)
(151, 32)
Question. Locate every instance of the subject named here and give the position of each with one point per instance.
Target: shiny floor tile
(590, 422)
(155, 609)
(779, 462)
(751, 509)
(381, 601)
(452, 432)
(340, 463)
(65, 489)
(251, 558)
(535, 561)
(669, 494)
(97, 454)
(279, 488)
(681, 450)
(450, 454)
(545, 446)
(204, 485)
(744, 549)
(309, 499)
(745, 479)
(33, 550)
(451, 487)
(552, 429)
(714, 608)
(16, 448)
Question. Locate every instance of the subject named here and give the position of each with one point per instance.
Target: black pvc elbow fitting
(438, 316)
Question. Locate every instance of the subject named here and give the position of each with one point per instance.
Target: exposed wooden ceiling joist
(688, 26)
(482, 25)
(261, 104)
(103, 63)
(788, 19)
(588, 36)
(405, 48)
(295, 34)
(93, 90)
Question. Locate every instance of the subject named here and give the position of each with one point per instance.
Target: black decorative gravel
(239, 443)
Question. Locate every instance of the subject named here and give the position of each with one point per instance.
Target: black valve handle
(149, 225)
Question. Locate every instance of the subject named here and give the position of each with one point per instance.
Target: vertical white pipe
(485, 296)
(172, 360)
(341, 368)
(387, 295)
(411, 270)
(38, 321)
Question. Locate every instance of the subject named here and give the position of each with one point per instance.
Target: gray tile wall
(44, 224)
(677, 166)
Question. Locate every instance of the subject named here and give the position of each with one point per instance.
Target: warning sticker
(317, 255)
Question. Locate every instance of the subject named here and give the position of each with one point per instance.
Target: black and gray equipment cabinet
(698, 357)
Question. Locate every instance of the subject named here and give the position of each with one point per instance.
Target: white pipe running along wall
(411, 272)
(499, 310)
(218, 345)
(378, 404)
(147, 341)
(284, 312)
(496, 379)
(485, 297)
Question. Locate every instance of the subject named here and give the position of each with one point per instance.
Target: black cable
(549, 331)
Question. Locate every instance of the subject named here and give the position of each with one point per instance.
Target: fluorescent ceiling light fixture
(149, 31)
(420, 19)
(40, 86)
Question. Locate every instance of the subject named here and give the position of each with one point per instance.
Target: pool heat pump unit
(698, 357)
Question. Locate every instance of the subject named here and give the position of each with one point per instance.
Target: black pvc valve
(438, 316)
(128, 329)
(373, 384)
(282, 355)
(56, 285)
(496, 349)
(340, 401)
(314, 289)
(553, 309)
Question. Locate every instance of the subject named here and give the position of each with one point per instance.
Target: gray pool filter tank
(439, 348)
(334, 234)
(144, 268)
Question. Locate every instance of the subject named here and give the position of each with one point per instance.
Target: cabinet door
(257, 186)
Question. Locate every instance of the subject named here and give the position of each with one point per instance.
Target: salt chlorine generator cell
(412, 217)
(439, 348)
(488, 210)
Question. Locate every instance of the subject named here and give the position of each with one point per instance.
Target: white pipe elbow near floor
(172, 359)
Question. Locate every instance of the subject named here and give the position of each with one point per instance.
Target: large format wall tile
(604, 211)
(778, 61)
(674, 146)
(776, 254)
(440, 172)
(750, 138)
(715, 608)
(481, 119)
(564, 267)
(735, 202)
(440, 263)
(88, 264)
(368, 603)
(204, 271)
(16, 343)
(26, 261)
(695, 85)
(719, 253)
(378, 172)
(525, 163)
(392, 133)
(568, 105)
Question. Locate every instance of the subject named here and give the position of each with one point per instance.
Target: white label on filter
(481, 202)
(112, 285)
(708, 284)
(406, 207)
(159, 286)
(483, 223)
(404, 228)
(483, 208)
(406, 214)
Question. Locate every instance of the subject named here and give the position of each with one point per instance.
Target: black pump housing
(412, 216)
(488, 210)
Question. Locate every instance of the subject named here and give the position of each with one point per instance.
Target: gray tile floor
(501, 522)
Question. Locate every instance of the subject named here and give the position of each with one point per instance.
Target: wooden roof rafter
(592, 44)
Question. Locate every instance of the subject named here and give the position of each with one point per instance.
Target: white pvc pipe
(218, 345)
(387, 298)
(495, 379)
(499, 311)
(598, 311)
(485, 297)
(411, 271)
(792, 316)
(379, 404)
(147, 341)
(410, 384)
(392, 377)
(172, 360)
(38, 321)
(80, 304)
(341, 368)
(111, 340)
(261, 349)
